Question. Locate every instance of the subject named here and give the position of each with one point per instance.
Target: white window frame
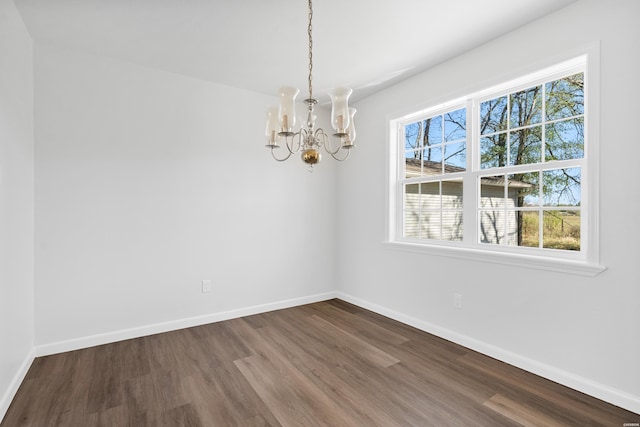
(583, 262)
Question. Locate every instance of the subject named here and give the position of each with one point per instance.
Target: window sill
(578, 267)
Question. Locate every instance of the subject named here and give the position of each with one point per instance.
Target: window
(435, 156)
(505, 172)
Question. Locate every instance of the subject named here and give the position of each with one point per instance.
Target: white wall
(16, 202)
(149, 182)
(583, 331)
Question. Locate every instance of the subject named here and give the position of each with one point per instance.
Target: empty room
(329, 213)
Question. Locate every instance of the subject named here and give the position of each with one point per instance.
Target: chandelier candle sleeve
(287, 113)
(272, 127)
(340, 110)
(351, 131)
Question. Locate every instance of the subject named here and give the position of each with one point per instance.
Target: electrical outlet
(457, 301)
(206, 286)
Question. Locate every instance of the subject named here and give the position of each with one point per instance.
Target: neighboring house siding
(495, 219)
(442, 223)
(424, 218)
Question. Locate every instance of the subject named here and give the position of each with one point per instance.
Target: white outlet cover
(457, 300)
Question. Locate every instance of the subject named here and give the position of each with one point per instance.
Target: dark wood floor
(329, 363)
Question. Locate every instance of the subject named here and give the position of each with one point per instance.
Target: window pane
(565, 140)
(455, 125)
(524, 189)
(526, 146)
(527, 228)
(511, 224)
(432, 160)
(522, 228)
(493, 151)
(411, 224)
(430, 198)
(493, 115)
(430, 228)
(561, 187)
(492, 225)
(452, 194)
(411, 197)
(455, 157)
(565, 97)
(492, 191)
(526, 107)
(412, 164)
(433, 128)
(412, 201)
(452, 225)
(561, 230)
(413, 136)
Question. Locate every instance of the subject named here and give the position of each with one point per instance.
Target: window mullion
(470, 187)
(400, 179)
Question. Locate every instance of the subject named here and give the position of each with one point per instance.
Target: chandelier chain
(310, 51)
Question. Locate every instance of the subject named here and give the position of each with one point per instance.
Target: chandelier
(308, 140)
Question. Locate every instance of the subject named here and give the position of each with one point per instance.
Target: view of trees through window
(530, 151)
(536, 126)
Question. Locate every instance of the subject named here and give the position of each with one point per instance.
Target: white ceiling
(262, 44)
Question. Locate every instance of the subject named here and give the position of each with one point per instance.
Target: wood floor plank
(324, 364)
(357, 325)
(141, 396)
(114, 416)
(520, 413)
(374, 389)
(552, 398)
(342, 337)
(169, 390)
(239, 397)
(407, 405)
(289, 395)
(289, 399)
(105, 387)
(181, 416)
(223, 397)
(323, 375)
(221, 344)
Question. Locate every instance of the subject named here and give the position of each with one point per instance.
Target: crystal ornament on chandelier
(281, 122)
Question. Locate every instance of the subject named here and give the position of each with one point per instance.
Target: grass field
(561, 230)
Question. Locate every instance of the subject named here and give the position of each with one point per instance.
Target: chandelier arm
(322, 138)
(293, 148)
(341, 159)
(290, 142)
(280, 159)
(328, 146)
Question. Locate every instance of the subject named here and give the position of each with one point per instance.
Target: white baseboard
(125, 334)
(15, 383)
(608, 394)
